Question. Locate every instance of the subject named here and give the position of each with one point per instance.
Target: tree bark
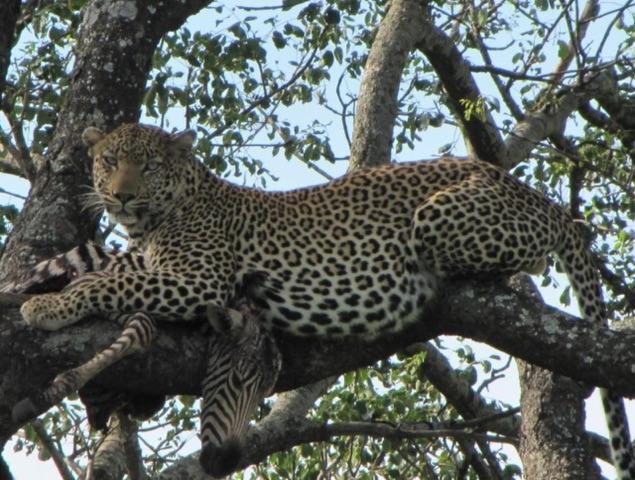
(494, 314)
(552, 439)
(113, 57)
(9, 12)
(480, 133)
(376, 108)
(52, 221)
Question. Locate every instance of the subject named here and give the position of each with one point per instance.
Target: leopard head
(140, 172)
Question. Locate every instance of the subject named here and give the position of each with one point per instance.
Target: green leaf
(563, 49)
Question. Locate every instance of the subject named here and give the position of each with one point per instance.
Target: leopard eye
(152, 166)
(109, 159)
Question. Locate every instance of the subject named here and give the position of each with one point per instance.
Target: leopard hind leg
(139, 331)
(485, 231)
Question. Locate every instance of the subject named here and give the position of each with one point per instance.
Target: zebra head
(242, 368)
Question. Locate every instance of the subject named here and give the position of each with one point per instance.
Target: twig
(504, 90)
(258, 102)
(16, 195)
(287, 139)
(52, 449)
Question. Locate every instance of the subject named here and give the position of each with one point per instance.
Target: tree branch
(481, 135)
(376, 108)
(9, 12)
(497, 315)
(49, 445)
(550, 120)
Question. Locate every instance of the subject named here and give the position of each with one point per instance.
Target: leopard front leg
(164, 295)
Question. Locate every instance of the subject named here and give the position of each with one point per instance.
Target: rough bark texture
(109, 460)
(9, 11)
(552, 439)
(113, 40)
(621, 110)
(494, 314)
(377, 107)
(551, 119)
(484, 141)
(113, 57)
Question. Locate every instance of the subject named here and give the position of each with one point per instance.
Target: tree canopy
(541, 88)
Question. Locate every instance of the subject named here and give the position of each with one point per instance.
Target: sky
(293, 174)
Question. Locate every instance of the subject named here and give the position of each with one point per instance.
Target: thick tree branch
(621, 110)
(376, 108)
(481, 135)
(497, 315)
(553, 439)
(108, 462)
(550, 120)
(552, 431)
(438, 370)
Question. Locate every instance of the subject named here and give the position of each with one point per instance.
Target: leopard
(362, 255)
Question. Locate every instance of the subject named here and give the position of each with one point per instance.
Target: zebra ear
(183, 140)
(92, 135)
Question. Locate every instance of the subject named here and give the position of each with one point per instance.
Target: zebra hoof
(23, 411)
(221, 461)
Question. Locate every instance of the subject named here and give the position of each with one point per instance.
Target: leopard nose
(123, 197)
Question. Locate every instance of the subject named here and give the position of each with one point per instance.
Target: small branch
(503, 89)
(574, 47)
(51, 448)
(550, 120)
(398, 431)
(470, 404)
(16, 195)
(598, 118)
(476, 461)
(286, 138)
(618, 107)
(617, 17)
(108, 462)
(22, 155)
(132, 451)
(258, 102)
(8, 164)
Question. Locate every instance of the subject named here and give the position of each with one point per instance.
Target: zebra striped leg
(54, 274)
(241, 370)
(137, 335)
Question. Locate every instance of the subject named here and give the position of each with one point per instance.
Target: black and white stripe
(138, 333)
(242, 370)
(58, 272)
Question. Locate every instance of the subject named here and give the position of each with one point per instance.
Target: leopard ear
(92, 135)
(183, 140)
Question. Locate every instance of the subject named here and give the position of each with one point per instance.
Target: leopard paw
(46, 312)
